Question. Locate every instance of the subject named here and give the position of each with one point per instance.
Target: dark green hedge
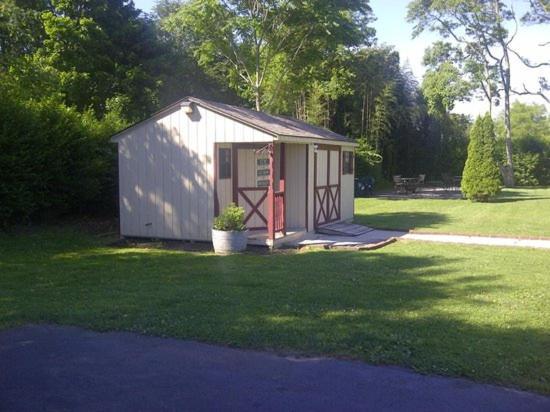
(52, 158)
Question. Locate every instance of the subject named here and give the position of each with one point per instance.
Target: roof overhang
(187, 105)
(174, 106)
(306, 140)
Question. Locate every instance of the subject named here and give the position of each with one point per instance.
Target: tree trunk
(258, 99)
(508, 169)
(363, 111)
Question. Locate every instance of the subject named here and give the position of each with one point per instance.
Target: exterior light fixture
(187, 108)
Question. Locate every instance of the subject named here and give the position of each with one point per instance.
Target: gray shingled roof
(278, 125)
(275, 125)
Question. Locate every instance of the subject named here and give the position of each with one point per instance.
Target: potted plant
(229, 234)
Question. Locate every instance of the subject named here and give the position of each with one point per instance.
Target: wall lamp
(187, 108)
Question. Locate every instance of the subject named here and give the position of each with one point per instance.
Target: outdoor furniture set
(408, 184)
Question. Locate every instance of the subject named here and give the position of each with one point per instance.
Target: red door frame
(331, 200)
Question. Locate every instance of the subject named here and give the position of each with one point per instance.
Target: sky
(392, 29)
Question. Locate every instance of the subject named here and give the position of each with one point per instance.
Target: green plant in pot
(229, 233)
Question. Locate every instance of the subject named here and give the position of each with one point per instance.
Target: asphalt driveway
(66, 368)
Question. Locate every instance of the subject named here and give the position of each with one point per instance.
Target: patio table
(409, 183)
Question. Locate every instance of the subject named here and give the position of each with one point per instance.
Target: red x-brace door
(327, 185)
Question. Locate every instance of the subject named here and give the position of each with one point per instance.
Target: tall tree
(85, 51)
(531, 138)
(21, 30)
(481, 179)
(248, 41)
(479, 29)
(443, 87)
(539, 12)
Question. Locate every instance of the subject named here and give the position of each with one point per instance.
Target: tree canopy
(254, 45)
(479, 42)
(81, 69)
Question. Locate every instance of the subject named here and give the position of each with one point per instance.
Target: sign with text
(262, 170)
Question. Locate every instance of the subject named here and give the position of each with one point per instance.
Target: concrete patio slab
(377, 236)
(372, 237)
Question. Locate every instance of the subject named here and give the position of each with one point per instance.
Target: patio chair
(421, 180)
(398, 184)
(447, 181)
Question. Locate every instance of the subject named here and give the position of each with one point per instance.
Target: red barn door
(327, 185)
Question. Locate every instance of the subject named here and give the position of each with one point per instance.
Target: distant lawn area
(516, 212)
(477, 312)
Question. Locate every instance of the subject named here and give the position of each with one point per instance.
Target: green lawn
(482, 313)
(516, 212)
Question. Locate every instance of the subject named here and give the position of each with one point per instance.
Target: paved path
(376, 236)
(479, 240)
(65, 368)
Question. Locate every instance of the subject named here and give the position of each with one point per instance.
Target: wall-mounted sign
(262, 169)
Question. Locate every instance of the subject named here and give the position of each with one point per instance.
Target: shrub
(232, 218)
(543, 170)
(53, 159)
(481, 177)
(525, 168)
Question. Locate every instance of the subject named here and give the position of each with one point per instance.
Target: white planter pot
(226, 242)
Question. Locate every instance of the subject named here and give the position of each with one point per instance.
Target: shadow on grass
(401, 220)
(382, 307)
(521, 195)
(512, 356)
(520, 198)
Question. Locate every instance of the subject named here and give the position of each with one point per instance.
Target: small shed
(182, 166)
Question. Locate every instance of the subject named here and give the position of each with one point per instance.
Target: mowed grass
(515, 212)
(478, 312)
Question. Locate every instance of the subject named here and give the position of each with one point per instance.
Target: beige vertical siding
(166, 173)
(295, 185)
(347, 188)
(225, 130)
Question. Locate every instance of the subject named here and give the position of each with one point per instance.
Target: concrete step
(344, 229)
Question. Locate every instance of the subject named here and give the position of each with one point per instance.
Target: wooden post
(216, 200)
(339, 183)
(328, 189)
(307, 187)
(271, 195)
(235, 172)
(282, 178)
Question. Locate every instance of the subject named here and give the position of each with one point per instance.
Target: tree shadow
(401, 220)
(166, 177)
(383, 307)
(508, 196)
